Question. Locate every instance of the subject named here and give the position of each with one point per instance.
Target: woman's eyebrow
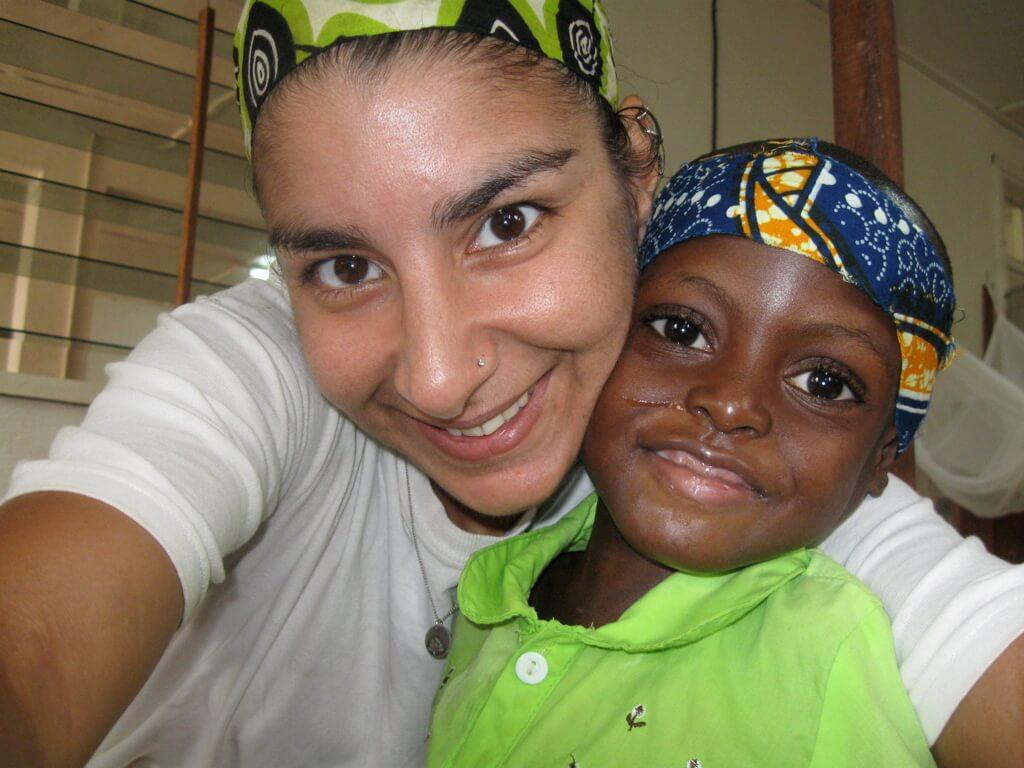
(291, 237)
(514, 171)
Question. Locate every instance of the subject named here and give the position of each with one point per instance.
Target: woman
(455, 217)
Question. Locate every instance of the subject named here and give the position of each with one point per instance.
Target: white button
(532, 668)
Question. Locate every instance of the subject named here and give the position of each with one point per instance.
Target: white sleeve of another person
(194, 433)
(954, 607)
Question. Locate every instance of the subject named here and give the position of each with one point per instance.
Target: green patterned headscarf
(274, 36)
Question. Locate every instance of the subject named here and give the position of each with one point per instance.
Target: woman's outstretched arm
(88, 602)
(190, 440)
(957, 619)
(987, 728)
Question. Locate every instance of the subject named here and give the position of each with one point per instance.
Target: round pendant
(438, 641)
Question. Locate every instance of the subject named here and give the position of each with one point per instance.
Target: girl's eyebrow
(292, 237)
(855, 335)
(826, 329)
(720, 294)
(514, 171)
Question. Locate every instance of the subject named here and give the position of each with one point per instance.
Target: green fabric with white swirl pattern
(274, 36)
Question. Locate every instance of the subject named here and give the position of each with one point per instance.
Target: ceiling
(975, 47)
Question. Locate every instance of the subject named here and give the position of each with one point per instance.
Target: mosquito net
(1005, 351)
(971, 444)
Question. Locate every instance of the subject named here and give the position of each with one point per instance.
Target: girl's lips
(504, 439)
(701, 481)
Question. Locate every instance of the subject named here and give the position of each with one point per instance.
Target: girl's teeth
(491, 426)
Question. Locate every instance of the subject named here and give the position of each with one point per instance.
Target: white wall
(775, 79)
(28, 428)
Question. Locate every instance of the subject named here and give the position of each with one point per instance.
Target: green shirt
(788, 663)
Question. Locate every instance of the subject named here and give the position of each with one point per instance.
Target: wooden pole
(204, 52)
(866, 82)
(866, 101)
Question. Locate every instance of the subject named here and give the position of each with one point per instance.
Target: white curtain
(971, 444)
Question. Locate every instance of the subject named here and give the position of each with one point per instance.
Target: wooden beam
(865, 82)
(204, 51)
(866, 101)
(91, 102)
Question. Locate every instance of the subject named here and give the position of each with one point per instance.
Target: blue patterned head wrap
(789, 195)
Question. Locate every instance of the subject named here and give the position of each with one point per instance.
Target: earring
(648, 123)
(481, 362)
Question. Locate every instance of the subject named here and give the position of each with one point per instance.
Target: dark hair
(910, 209)
(375, 55)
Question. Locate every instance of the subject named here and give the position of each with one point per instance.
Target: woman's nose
(444, 355)
(730, 401)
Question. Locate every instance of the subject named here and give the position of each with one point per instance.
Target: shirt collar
(496, 584)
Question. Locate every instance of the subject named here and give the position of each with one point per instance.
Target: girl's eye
(347, 271)
(824, 384)
(685, 331)
(506, 224)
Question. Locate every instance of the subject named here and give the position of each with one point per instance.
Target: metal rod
(6, 331)
(988, 317)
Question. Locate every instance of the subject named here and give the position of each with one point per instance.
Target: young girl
(792, 314)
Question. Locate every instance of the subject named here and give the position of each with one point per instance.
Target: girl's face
(460, 260)
(752, 408)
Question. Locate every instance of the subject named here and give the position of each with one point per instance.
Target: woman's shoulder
(885, 519)
(252, 318)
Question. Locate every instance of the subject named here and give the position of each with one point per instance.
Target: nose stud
(481, 362)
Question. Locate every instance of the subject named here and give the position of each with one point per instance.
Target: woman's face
(460, 260)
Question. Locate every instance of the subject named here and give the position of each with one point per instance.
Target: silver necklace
(438, 639)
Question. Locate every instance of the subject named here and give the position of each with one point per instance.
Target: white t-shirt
(308, 647)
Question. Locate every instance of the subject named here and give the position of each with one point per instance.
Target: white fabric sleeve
(192, 435)
(954, 607)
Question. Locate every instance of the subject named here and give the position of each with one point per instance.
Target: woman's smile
(494, 435)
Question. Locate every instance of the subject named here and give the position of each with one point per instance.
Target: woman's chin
(510, 490)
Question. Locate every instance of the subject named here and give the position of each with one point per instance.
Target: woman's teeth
(491, 426)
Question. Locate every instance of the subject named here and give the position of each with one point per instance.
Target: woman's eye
(347, 271)
(824, 384)
(506, 224)
(685, 331)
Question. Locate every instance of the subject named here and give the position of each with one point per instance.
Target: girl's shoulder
(829, 604)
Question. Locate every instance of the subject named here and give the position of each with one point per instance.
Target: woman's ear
(645, 141)
(884, 459)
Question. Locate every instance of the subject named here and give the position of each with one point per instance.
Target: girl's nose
(729, 402)
(444, 355)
